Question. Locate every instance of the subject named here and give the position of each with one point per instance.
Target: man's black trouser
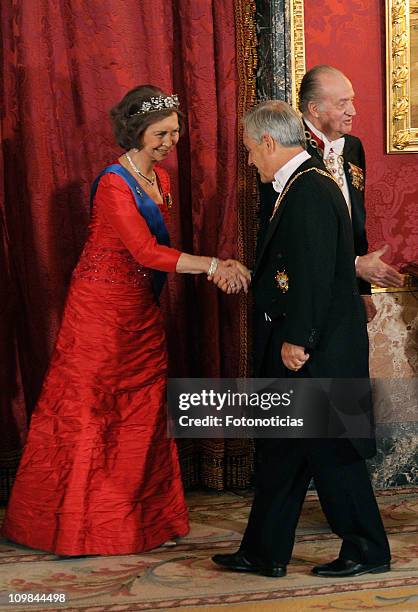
(284, 471)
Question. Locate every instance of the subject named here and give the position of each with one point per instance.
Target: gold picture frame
(402, 75)
(297, 42)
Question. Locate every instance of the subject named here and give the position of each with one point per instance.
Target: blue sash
(148, 209)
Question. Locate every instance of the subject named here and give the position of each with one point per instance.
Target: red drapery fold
(64, 65)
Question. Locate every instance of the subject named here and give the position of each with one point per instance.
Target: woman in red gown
(98, 474)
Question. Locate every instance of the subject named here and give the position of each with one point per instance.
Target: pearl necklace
(135, 168)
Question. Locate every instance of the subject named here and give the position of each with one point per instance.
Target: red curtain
(64, 64)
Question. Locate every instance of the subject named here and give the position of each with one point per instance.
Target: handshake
(229, 275)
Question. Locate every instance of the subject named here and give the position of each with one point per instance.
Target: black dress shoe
(344, 567)
(239, 562)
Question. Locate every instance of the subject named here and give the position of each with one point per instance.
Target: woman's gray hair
(279, 120)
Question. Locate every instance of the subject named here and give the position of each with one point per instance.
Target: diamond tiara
(157, 103)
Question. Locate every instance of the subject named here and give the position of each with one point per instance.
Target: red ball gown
(98, 474)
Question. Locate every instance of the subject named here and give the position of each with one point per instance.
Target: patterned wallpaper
(350, 35)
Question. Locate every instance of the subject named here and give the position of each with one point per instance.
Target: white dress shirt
(283, 175)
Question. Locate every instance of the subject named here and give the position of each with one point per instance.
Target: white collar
(283, 175)
(336, 145)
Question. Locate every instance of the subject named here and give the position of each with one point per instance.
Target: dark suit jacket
(310, 241)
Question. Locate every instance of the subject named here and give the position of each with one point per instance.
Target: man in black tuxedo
(326, 101)
(310, 322)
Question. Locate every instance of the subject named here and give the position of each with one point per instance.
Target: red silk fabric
(66, 64)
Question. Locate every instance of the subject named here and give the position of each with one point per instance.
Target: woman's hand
(231, 276)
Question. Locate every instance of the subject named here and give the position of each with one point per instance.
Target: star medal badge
(357, 176)
(282, 281)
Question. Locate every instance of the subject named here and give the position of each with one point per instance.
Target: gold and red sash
(313, 140)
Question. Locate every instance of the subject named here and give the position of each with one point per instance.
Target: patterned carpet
(184, 578)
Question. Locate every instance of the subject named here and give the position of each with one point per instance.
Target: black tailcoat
(309, 241)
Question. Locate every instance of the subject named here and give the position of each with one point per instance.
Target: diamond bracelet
(213, 265)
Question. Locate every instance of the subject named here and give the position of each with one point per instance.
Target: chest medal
(282, 281)
(357, 176)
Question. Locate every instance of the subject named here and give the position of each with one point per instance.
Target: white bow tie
(336, 145)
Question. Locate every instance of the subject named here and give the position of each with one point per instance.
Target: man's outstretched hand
(372, 269)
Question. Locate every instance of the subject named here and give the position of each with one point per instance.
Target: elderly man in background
(326, 102)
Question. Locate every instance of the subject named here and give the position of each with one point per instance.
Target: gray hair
(279, 120)
(310, 87)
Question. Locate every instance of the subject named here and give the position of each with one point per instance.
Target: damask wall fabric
(351, 36)
(65, 64)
